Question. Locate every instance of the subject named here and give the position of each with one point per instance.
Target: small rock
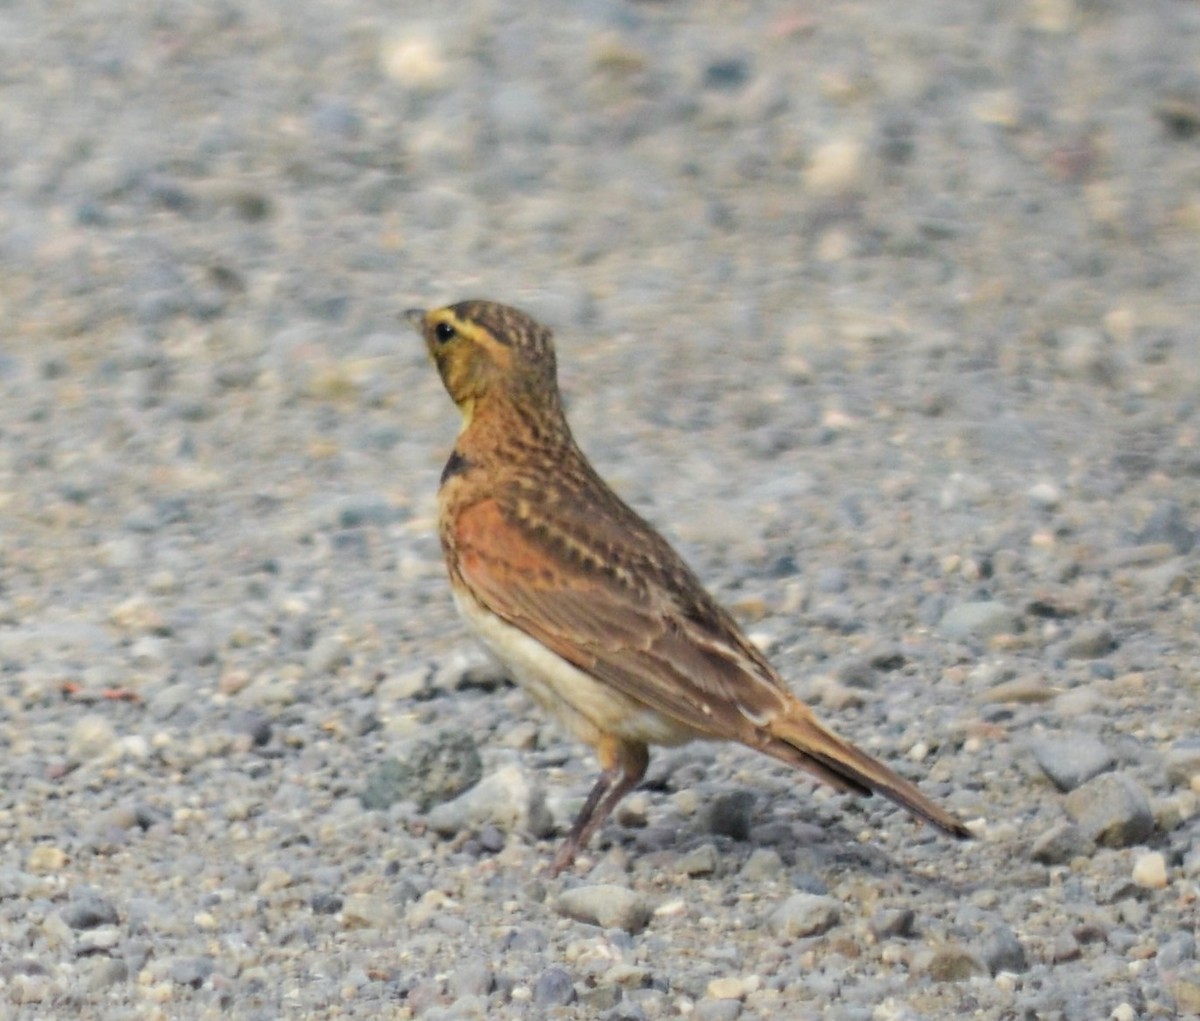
(1027, 690)
(730, 987)
(1168, 524)
(1045, 495)
(1113, 810)
(835, 167)
(510, 799)
(1060, 844)
(1186, 992)
(426, 771)
(368, 911)
(93, 736)
(764, 863)
(1070, 759)
(730, 815)
(414, 61)
(953, 963)
(328, 655)
(1150, 871)
(1002, 951)
(554, 988)
(191, 971)
(1183, 761)
(606, 905)
(47, 858)
(325, 903)
(717, 1010)
(1091, 641)
(893, 922)
(700, 861)
(472, 978)
(805, 914)
(979, 620)
(89, 909)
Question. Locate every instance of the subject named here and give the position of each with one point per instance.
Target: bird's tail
(798, 738)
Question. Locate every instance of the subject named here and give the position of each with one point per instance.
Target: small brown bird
(589, 608)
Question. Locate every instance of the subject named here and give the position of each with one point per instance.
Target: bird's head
(484, 350)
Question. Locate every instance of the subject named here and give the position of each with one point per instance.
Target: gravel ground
(888, 314)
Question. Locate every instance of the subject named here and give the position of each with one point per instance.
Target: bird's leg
(624, 766)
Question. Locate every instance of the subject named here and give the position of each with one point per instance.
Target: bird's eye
(444, 332)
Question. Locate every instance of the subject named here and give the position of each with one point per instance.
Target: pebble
(428, 771)
(700, 861)
(1002, 952)
(91, 737)
(730, 815)
(1183, 761)
(888, 923)
(510, 799)
(1113, 810)
(805, 914)
(979, 620)
(717, 1010)
(835, 167)
(89, 909)
(952, 963)
(1061, 843)
(1072, 758)
(1150, 871)
(1089, 642)
(554, 988)
(763, 865)
(606, 905)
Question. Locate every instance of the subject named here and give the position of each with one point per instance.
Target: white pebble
(1150, 871)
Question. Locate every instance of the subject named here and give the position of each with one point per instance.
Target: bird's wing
(624, 609)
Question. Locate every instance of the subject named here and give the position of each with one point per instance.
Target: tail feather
(798, 738)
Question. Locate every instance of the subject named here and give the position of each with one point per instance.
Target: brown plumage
(589, 607)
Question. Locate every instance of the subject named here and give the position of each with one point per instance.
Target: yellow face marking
(469, 358)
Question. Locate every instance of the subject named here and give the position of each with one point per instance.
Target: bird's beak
(416, 316)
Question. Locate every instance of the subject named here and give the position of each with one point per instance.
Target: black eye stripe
(444, 332)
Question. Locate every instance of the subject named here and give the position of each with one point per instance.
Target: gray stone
(1089, 641)
(1001, 951)
(887, 923)
(1113, 810)
(764, 863)
(717, 1010)
(93, 736)
(1168, 524)
(471, 978)
(1183, 761)
(428, 771)
(1071, 758)
(554, 988)
(730, 815)
(805, 914)
(606, 905)
(1060, 844)
(191, 971)
(699, 861)
(510, 799)
(89, 909)
(979, 620)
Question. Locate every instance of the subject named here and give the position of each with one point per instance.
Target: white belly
(584, 706)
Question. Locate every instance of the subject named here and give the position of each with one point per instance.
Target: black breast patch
(455, 466)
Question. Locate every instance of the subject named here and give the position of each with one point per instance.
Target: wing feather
(685, 657)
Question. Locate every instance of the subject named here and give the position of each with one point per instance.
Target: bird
(584, 603)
